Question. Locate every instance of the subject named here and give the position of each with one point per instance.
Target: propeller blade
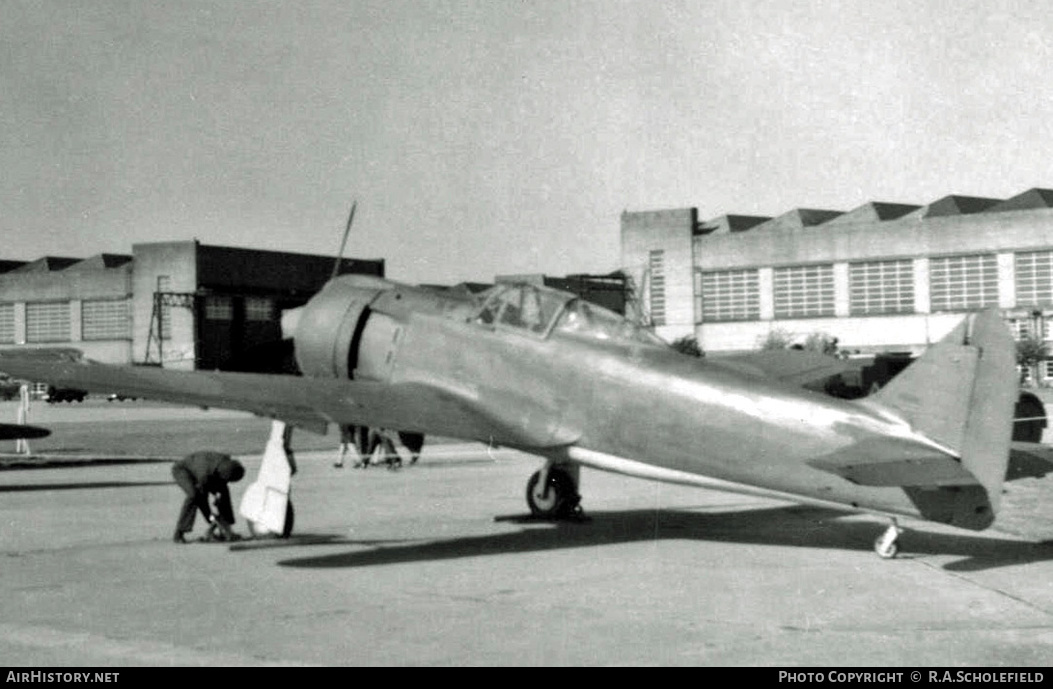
(343, 243)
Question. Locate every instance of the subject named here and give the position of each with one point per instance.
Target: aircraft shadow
(792, 526)
(87, 485)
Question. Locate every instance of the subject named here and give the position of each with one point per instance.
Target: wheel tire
(885, 552)
(560, 500)
(290, 516)
(287, 527)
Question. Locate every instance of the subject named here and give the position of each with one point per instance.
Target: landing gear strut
(552, 493)
(885, 544)
(265, 504)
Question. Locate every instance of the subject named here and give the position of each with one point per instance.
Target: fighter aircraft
(545, 372)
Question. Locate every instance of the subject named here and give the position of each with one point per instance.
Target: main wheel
(558, 499)
(287, 527)
(290, 515)
(886, 547)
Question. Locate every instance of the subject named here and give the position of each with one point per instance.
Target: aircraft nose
(290, 319)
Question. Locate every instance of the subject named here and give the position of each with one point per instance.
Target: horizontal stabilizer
(895, 462)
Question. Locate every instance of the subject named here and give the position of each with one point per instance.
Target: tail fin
(962, 393)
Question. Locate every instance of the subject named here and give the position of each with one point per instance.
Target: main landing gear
(552, 492)
(266, 505)
(885, 544)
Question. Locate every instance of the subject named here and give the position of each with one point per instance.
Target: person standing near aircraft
(389, 452)
(22, 445)
(366, 440)
(414, 442)
(201, 474)
(347, 437)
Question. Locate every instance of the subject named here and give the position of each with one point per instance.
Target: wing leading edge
(307, 402)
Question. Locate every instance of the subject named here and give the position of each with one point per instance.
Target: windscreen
(583, 318)
(522, 307)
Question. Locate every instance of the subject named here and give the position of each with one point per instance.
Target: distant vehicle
(9, 388)
(55, 395)
(117, 397)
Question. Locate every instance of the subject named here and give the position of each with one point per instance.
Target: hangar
(174, 304)
(881, 277)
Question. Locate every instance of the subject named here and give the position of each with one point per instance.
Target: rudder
(961, 393)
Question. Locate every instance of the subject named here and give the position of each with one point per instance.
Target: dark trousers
(196, 500)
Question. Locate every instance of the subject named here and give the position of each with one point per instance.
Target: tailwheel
(885, 544)
(258, 531)
(557, 499)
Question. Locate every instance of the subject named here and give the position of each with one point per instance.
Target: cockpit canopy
(522, 306)
(543, 311)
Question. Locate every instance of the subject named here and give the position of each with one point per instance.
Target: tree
(1029, 351)
(777, 338)
(822, 343)
(688, 344)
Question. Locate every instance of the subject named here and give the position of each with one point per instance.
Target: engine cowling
(329, 328)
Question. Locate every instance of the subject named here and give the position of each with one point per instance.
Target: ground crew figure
(200, 475)
(366, 441)
(391, 456)
(414, 442)
(347, 438)
(22, 445)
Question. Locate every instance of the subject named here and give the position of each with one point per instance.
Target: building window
(958, 283)
(259, 309)
(881, 287)
(47, 321)
(105, 320)
(1034, 278)
(7, 323)
(730, 295)
(656, 267)
(219, 308)
(1021, 328)
(164, 285)
(1045, 371)
(804, 291)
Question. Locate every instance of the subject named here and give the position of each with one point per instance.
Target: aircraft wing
(790, 366)
(310, 403)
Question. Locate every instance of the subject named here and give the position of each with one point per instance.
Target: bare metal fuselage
(656, 408)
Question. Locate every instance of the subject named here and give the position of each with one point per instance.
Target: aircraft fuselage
(662, 409)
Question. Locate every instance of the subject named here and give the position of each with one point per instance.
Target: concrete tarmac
(436, 565)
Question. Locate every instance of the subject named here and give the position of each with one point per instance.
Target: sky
(495, 137)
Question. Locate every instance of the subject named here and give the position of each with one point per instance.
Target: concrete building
(173, 304)
(881, 277)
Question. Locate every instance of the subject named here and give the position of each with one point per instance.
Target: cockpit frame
(538, 311)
